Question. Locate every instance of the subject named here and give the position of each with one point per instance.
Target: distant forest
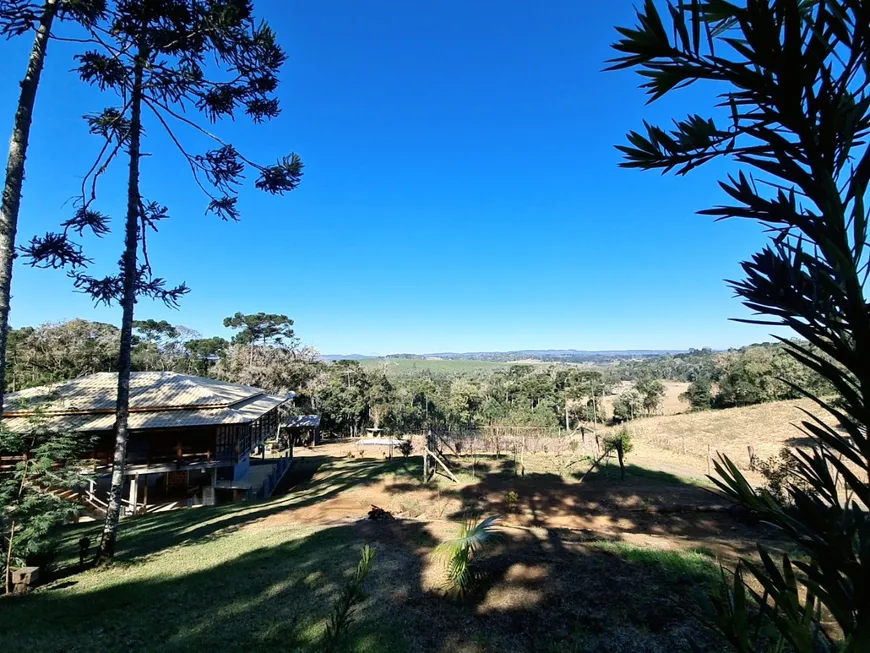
(351, 396)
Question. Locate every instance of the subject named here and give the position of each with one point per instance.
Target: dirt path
(328, 489)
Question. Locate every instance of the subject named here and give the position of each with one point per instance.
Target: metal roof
(157, 400)
(301, 422)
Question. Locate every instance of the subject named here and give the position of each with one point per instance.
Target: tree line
(737, 377)
(265, 352)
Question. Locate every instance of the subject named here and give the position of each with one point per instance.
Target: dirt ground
(665, 507)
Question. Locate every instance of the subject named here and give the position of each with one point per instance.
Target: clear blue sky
(461, 191)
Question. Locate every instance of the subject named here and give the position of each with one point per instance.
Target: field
(583, 562)
(401, 367)
(601, 565)
(685, 440)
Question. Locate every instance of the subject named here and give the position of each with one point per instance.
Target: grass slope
(684, 439)
(242, 577)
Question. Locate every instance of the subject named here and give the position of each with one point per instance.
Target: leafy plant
(620, 443)
(460, 553)
(780, 473)
(344, 607)
(511, 498)
(405, 448)
(30, 508)
(795, 112)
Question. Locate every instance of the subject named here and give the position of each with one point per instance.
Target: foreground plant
(794, 114)
(351, 595)
(46, 463)
(459, 554)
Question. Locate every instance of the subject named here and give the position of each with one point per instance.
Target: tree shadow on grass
(539, 592)
(646, 502)
(311, 480)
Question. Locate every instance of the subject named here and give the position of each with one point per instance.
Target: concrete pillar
(134, 491)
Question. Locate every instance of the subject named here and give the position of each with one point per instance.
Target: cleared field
(414, 366)
(685, 440)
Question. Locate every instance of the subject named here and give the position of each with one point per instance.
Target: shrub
(405, 448)
(511, 499)
(781, 472)
(460, 553)
(622, 445)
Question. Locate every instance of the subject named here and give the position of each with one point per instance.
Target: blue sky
(461, 191)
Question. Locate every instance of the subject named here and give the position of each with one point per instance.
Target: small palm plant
(459, 553)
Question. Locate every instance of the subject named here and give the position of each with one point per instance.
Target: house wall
(242, 467)
(161, 446)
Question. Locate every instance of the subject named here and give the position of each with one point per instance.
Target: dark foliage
(794, 113)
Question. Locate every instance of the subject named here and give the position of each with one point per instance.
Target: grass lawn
(247, 577)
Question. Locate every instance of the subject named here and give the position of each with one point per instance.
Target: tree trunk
(11, 202)
(620, 452)
(8, 567)
(128, 303)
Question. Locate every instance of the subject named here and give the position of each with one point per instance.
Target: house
(191, 438)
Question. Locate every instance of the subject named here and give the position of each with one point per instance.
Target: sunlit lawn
(216, 579)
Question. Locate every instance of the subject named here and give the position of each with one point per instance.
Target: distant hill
(346, 357)
(556, 355)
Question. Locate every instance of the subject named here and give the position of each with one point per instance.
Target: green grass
(250, 589)
(698, 564)
(610, 473)
(214, 579)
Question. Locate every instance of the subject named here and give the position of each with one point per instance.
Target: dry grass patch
(682, 441)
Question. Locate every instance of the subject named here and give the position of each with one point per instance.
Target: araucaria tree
(19, 17)
(163, 58)
(794, 116)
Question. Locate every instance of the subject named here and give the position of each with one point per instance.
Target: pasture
(405, 367)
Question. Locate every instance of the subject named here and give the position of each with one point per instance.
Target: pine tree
(157, 56)
(794, 116)
(19, 17)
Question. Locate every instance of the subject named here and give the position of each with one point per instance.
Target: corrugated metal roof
(148, 391)
(158, 400)
(301, 422)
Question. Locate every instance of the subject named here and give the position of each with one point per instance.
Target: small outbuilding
(302, 430)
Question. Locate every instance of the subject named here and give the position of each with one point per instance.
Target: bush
(619, 442)
(405, 448)
(622, 445)
(780, 473)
